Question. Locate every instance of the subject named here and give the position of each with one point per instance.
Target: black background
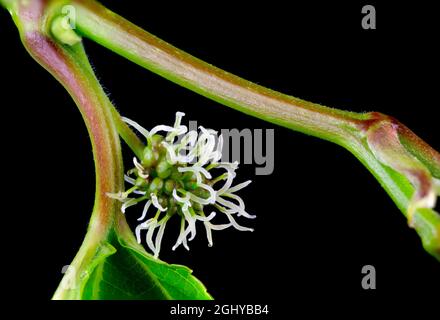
(321, 214)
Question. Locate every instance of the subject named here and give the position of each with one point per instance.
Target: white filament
(140, 168)
(150, 232)
(140, 227)
(129, 203)
(239, 209)
(197, 171)
(139, 128)
(191, 222)
(171, 153)
(184, 201)
(156, 202)
(213, 194)
(144, 212)
(129, 179)
(177, 128)
(239, 186)
(159, 236)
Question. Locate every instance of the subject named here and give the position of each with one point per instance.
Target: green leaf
(122, 271)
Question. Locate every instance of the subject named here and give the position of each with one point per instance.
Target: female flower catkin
(175, 178)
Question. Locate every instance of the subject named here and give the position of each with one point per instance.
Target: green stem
(70, 66)
(420, 149)
(132, 140)
(114, 32)
(6, 3)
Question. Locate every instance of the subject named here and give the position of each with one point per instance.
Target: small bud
(190, 185)
(170, 185)
(156, 185)
(141, 183)
(202, 193)
(163, 202)
(189, 176)
(149, 157)
(163, 169)
(156, 140)
(63, 32)
(175, 174)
